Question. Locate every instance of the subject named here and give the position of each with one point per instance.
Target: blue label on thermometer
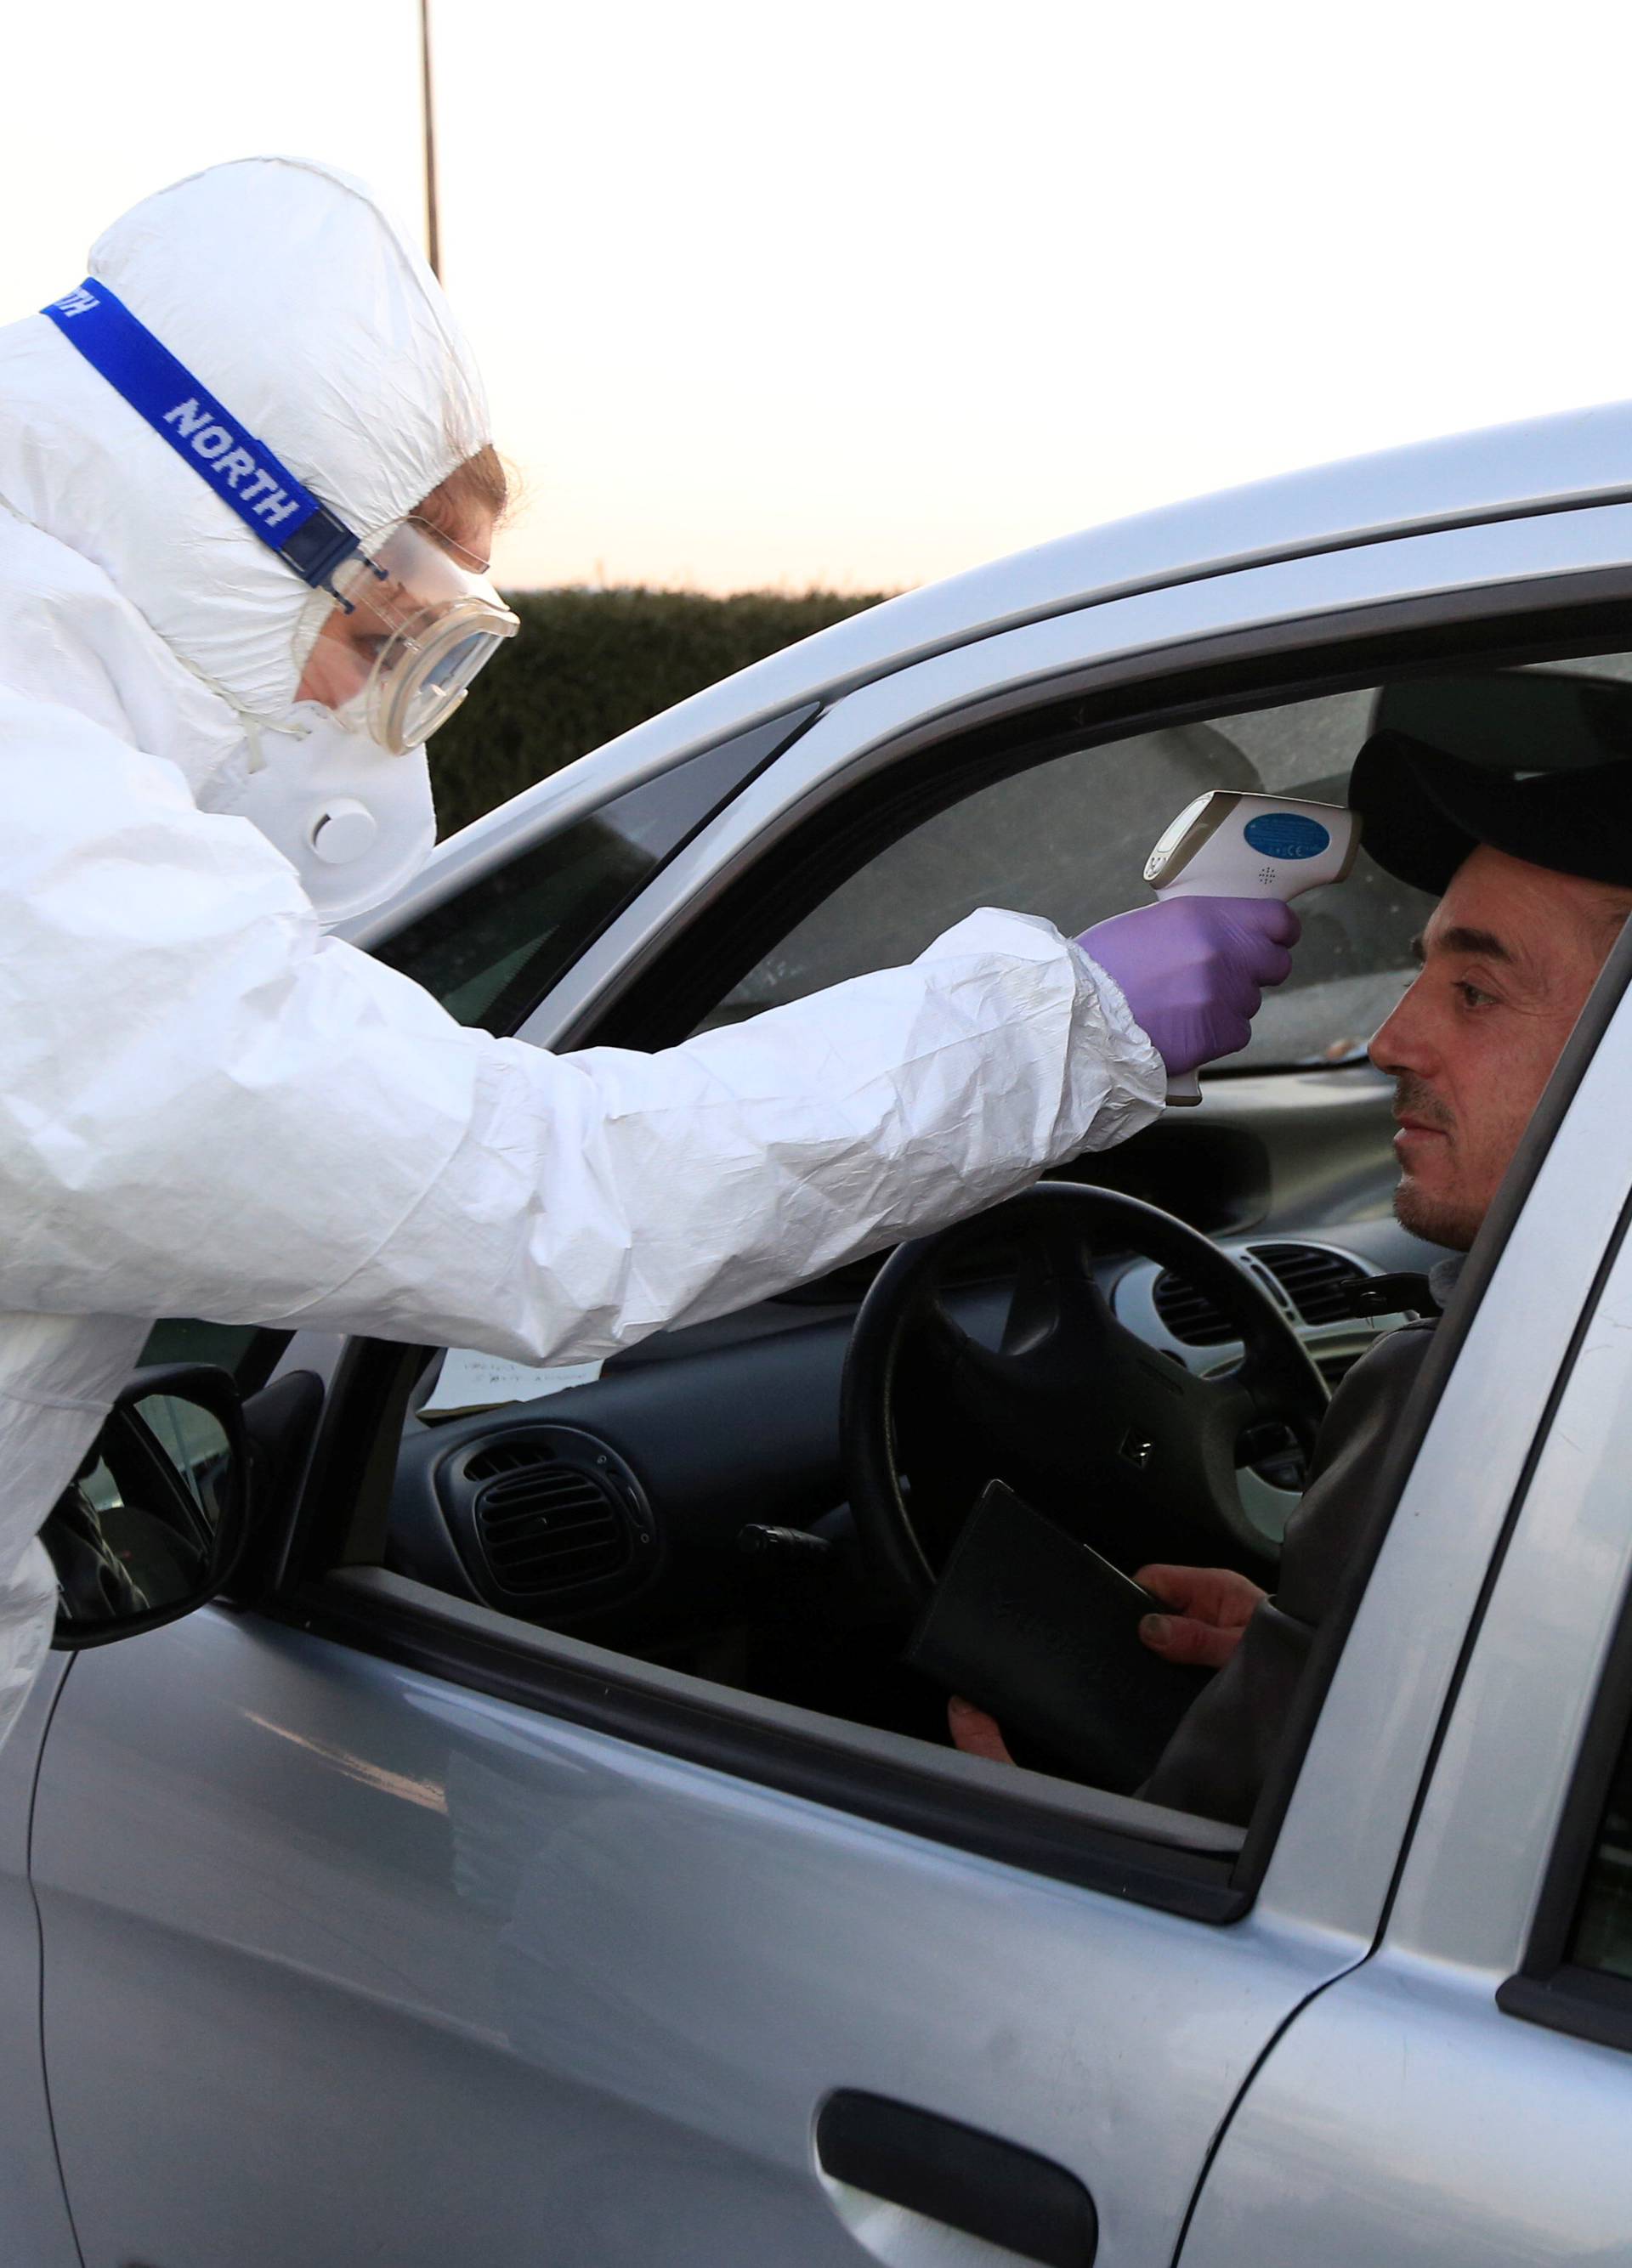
(1287, 835)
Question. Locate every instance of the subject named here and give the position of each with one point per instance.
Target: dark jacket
(1216, 1762)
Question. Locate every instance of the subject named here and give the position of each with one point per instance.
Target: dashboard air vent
(506, 1457)
(543, 1524)
(1313, 1279)
(1190, 1314)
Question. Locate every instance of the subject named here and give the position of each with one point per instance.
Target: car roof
(1552, 464)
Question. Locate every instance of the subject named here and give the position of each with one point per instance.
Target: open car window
(1069, 838)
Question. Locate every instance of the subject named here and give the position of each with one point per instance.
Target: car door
(34, 2211)
(379, 1924)
(1462, 2098)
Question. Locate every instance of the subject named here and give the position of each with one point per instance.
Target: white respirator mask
(356, 824)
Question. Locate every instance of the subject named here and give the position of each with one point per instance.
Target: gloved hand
(1193, 970)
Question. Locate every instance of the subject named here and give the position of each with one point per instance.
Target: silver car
(541, 1853)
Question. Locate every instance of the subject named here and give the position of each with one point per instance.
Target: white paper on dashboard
(480, 1381)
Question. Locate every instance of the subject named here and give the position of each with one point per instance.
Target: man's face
(1507, 961)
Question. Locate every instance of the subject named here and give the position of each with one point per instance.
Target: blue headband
(265, 494)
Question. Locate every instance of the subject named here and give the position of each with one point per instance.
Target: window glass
(179, 1339)
(490, 954)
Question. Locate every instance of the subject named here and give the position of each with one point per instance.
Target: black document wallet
(1043, 1632)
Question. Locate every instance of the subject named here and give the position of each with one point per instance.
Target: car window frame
(1010, 1818)
(1548, 1987)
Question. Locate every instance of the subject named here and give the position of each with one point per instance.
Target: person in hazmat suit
(247, 491)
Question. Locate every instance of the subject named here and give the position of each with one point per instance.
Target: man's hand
(1214, 1606)
(974, 1732)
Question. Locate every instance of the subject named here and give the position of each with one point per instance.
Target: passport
(1042, 1631)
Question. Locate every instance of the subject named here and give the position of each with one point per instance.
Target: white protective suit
(209, 1108)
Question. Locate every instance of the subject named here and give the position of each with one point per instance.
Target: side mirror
(158, 1513)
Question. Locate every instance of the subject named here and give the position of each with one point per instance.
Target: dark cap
(1537, 764)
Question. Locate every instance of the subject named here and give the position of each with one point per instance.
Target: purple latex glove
(1193, 970)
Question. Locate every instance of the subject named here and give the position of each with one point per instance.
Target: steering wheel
(1078, 1414)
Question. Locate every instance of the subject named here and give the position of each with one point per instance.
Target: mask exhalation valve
(342, 831)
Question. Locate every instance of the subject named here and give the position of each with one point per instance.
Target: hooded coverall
(208, 1108)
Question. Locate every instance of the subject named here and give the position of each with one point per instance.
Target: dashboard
(616, 1506)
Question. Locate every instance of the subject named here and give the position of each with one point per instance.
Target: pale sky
(861, 294)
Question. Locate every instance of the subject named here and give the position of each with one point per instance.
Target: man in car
(1535, 872)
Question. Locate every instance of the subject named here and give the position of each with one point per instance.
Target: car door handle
(934, 2169)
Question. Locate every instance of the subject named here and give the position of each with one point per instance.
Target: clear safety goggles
(412, 627)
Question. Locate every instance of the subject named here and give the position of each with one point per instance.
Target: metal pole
(433, 250)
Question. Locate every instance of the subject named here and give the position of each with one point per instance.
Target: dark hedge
(587, 664)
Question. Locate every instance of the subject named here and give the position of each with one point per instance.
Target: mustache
(1414, 1097)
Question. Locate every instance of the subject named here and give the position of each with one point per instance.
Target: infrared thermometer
(1230, 844)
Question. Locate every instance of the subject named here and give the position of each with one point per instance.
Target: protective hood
(284, 288)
